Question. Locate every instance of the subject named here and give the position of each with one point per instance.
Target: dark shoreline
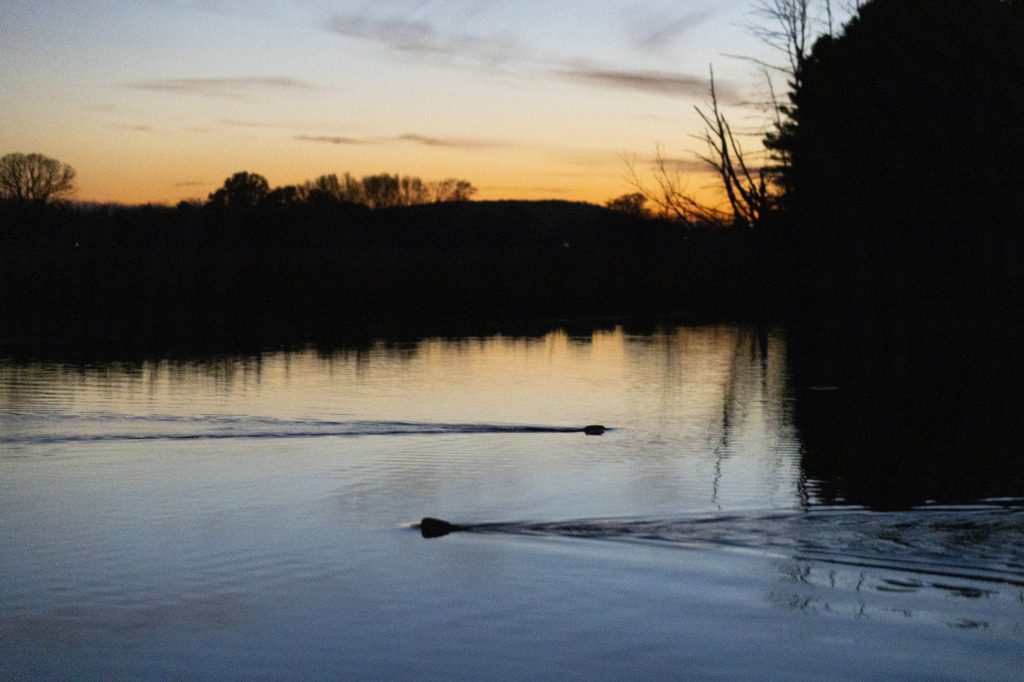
(192, 276)
(136, 281)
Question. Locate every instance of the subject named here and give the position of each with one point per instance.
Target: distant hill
(182, 274)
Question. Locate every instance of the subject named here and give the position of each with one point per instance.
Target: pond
(759, 506)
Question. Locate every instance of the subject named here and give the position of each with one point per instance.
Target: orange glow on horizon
(122, 183)
(524, 100)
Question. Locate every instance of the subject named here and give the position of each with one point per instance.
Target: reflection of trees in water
(25, 381)
(752, 386)
(923, 411)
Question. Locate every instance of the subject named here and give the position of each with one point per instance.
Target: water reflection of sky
(707, 405)
(231, 505)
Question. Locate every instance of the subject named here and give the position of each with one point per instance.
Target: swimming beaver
(594, 430)
(436, 528)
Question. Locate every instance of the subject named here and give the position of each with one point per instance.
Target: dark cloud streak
(232, 88)
(398, 34)
(422, 39)
(331, 139)
(690, 165)
(453, 142)
(412, 138)
(645, 81)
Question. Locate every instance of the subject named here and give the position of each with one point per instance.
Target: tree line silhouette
(248, 190)
(158, 275)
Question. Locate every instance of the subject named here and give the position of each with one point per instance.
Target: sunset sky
(160, 100)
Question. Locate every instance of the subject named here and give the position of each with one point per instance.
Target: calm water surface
(250, 517)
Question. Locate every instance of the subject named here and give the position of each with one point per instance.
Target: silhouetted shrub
(241, 190)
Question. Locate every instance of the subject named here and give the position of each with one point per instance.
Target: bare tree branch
(750, 181)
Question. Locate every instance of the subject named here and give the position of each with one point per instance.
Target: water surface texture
(744, 516)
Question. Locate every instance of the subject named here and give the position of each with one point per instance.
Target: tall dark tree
(34, 178)
(904, 150)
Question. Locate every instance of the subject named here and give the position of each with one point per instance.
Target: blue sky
(159, 100)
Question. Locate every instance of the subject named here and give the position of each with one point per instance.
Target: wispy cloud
(433, 31)
(285, 125)
(254, 124)
(231, 88)
(398, 34)
(133, 128)
(423, 39)
(532, 190)
(656, 31)
(679, 165)
(192, 183)
(452, 142)
(575, 175)
(331, 139)
(645, 81)
(411, 138)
